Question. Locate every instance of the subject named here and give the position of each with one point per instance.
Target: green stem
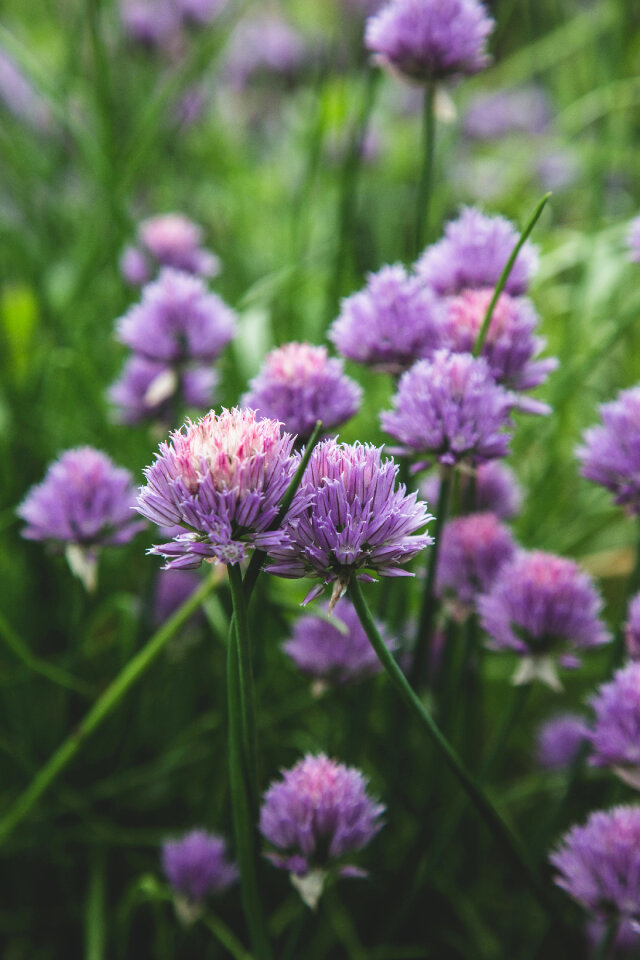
(429, 602)
(48, 670)
(511, 717)
(101, 709)
(225, 937)
(607, 941)
(249, 739)
(504, 276)
(503, 834)
(95, 929)
(425, 184)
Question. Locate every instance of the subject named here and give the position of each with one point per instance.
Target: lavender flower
(316, 815)
(501, 112)
(197, 866)
(337, 654)
(599, 864)
(263, 44)
(616, 730)
(632, 628)
(199, 13)
(393, 322)
(626, 939)
(510, 347)
(222, 479)
(19, 97)
(633, 240)
(346, 518)
(450, 408)
(83, 503)
(559, 741)
(298, 385)
(472, 552)
(495, 490)
(147, 390)
(173, 587)
(611, 452)
(474, 252)
(427, 40)
(149, 23)
(177, 320)
(540, 606)
(167, 240)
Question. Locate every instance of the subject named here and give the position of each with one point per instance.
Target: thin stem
(94, 917)
(607, 941)
(501, 831)
(429, 602)
(249, 739)
(102, 708)
(511, 716)
(225, 936)
(34, 663)
(425, 184)
(504, 276)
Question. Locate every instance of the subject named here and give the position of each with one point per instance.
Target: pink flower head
(168, 240)
(472, 552)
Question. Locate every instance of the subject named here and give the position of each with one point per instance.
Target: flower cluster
(167, 240)
(197, 865)
(610, 454)
(616, 729)
(472, 552)
(157, 24)
(300, 384)
(559, 741)
(632, 629)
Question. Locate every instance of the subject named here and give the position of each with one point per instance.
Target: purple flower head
(84, 502)
(300, 384)
(347, 518)
(177, 320)
(599, 864)
(542, 605)
(500, 113)
(390, 324)
(426, 40)
(19, 97)
(148, 390)
(199, 13)
(559, 740)
(632, 629)
(197, 865)
(616, 730)
(222, 479)
(495, 490)
(149, 23)
(474, 252)
(335, 654)
(173, 587)
(450, 408)
(511, 345)
(610, 454)
(626, 939)
(264, 44)
(167, 240)
(633, 240)
(318, 813)
(472, 552)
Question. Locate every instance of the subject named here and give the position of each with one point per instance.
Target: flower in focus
(559, 740)
(615, 736)
(501, 112)
(300, 384)
(511, 345)
(428, 40)
(473, 253)
(167, 240)
(610, 453)
(197, 866)
(473, 550)
(347, 518)
(390, 324)
(335, 651)
(177, 320)
(491, 488)
(84, 502)
(450, 408)
(632, 629)
(221, 479)
(633, 240)
(544, 608)
(148, 390)
(318, 813)
(599, 864)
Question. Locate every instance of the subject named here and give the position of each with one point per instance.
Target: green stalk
(225, 936)
(501, 831)
(240, 630)
(425, 184)
(429, 602)
(607, 941)
(102, 708)
(34, 663)
(504, 276)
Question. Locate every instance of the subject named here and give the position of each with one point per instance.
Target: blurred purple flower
(633, 240)
(556, 168)
(427, 40)
(167, 240)
(198, 13)
(177, 320)
(473, 550)
(544, 608)
(390, 324)
(335, 656)
(632, 628)
(222, 479)
(347, 518)
(559, 740)
(473, 253)
(263, 44)
(495, 489)
(149, 23)
(148, 390)
(173, 587)
(610, 454)
(19, 96)
(197, 865)
(616, 730)
(599, 864)
(626, 940)
(499, 113)
(299, 384)
(451, 409)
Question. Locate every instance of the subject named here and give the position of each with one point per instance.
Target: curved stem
(503, 834)
(225, 936)
(425, 184)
